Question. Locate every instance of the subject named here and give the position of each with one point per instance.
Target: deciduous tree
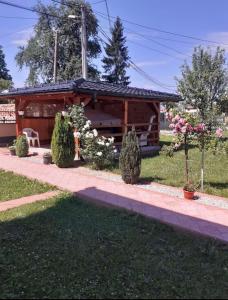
(38, 54)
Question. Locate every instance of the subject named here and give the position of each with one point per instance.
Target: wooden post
(159, 120)
(18, 119)
(77, 146)
(126, 116)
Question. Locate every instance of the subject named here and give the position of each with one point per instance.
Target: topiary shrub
(22, 146)
(130, 158)
(62, 144)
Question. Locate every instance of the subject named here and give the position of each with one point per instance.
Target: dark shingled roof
(91, 87)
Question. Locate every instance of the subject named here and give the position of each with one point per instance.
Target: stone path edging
(198, 218)
(6, 205)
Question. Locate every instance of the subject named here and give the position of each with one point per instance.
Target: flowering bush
(187, 129)
(100, 151)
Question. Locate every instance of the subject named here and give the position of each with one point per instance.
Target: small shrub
(62, 144)
(130, 158)
(22, 146)
(189, 187)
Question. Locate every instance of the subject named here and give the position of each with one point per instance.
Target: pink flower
(177, 118)
(169, 116)
(171, 126)
(189, 127)
(177, 128)
(182, 121)
(184, 129)
(219, 132)
(200, 128)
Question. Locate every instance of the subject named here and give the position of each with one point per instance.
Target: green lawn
(64, 248)
(170, 171)
(13, 186)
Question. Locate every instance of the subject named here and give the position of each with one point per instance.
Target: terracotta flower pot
(189, 195)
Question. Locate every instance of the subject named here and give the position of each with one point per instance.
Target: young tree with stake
(203, 86)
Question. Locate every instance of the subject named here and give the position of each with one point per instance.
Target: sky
(159, 54)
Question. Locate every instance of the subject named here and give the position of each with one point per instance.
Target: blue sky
(199, 18)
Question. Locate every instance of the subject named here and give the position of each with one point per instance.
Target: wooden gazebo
(113, 109)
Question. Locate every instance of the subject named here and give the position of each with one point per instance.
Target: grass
(64, 248)
(170, 171)
(13, 186)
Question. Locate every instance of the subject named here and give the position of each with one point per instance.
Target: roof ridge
(127, 87)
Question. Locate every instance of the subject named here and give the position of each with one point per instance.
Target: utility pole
(84, 44)
(55, 55)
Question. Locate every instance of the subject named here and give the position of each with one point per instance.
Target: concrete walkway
(26, 200)
(188, 215)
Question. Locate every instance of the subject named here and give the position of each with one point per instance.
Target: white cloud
(151, 63)
(21, 37)
(220, 37)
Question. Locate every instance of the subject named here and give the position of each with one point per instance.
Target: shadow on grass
(72, 249)
(217, 185)
(149, 179)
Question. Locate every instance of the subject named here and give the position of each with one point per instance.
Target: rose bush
(187, 129)
(99, 151)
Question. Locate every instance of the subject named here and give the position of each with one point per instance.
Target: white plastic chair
(32, 136)
(143, 139)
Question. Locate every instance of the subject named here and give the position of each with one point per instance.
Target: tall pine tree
(116, 61)
(5, 78)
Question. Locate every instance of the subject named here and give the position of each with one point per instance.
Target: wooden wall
(44, 126)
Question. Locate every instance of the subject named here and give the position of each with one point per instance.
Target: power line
(108, 14)
(165, 31)
(63, 3)
(152, 40)
(138, 69)
(26, 8)
(14, 32)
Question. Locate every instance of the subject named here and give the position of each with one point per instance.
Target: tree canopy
(203, 84)
(5, 77)
(38, 55)
(116, 61)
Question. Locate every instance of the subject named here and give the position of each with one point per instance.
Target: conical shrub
(62, 144)
(130, 158)
(22, 146)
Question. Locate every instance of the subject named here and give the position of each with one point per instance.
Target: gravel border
(156, 187)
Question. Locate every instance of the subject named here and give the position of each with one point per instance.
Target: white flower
(115, 151)
(99, 153)
(88, 123)
(100, 142)
(111, 140)
(95, 133)
(77, 134)
(107, 144)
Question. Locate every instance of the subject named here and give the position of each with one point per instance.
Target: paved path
(198, 218)
(26, 200)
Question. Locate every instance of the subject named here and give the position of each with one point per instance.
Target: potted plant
(47, 158)
(189, 191)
